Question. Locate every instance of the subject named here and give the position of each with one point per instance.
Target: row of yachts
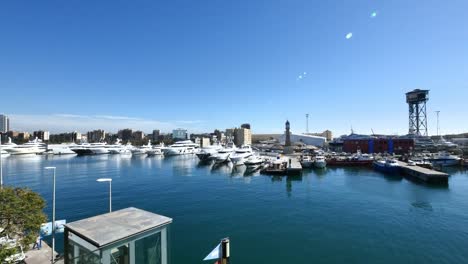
(216, 153)
(37, 147)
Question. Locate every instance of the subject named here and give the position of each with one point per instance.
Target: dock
(294, 166)
(40, 256)
(426, 175)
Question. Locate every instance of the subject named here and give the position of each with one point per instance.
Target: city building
(138, 135)
(4, 124)
(326, 134)
(179, 134)
(42, 135)
(230, 134)
(205, 142)
(243, 136)
(377, 144)
(98, 135)
(155, 135)
(23, 136)
(125, 134)
(289, 138)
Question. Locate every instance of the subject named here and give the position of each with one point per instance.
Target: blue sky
(205, 64)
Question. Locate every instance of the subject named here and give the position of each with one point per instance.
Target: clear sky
(205, 64)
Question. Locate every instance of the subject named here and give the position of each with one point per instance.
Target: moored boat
(387, 166)
(307, 162)
(444, 159)
(320, 162)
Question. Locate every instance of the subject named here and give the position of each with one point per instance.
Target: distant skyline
(203, 65)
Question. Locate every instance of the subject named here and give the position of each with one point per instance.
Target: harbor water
(334, 215)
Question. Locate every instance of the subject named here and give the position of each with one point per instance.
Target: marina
(194, 194)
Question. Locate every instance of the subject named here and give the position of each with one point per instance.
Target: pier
(41, 256)
(294, 166)
(426, 175)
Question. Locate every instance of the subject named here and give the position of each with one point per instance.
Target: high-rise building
(179, 134)
(155, 135)
(42, 135)
(4, 124)
(243, 136)
(138, 135)
(125, 134)
(96, 135)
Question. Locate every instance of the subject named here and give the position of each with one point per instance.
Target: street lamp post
(110, 190)
(53, 216)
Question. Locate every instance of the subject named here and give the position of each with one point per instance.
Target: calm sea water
(331, 216)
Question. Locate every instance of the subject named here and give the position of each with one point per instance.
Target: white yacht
(224, 154)
(445, 159)
(181, 148)
(320, 162)
(5, 154)
(9, 144)
(61, 149)
(207, 153)
(143, 150)
(241, 154)
(118, 148)
(32, 147)
(157, 150)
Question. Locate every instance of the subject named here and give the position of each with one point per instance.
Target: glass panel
(80, 255)
(120, 255)
(148, 249)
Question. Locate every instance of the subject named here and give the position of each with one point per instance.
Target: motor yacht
(157, 150)
(143, 150)
(206, 154)
(241, 154)
(32, 147)
(223, 154)
(91, 149)
(8, 145)
(444, 159)
(181, 148)
(61, 149)
(5, 154)
(320, 162)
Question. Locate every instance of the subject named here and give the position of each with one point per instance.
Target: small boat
(276, 167)
(307, 162)
(320, 162)
(387, 166)
(253, 161)
(358, 159)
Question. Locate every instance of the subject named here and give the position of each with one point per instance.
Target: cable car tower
(417, 100)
